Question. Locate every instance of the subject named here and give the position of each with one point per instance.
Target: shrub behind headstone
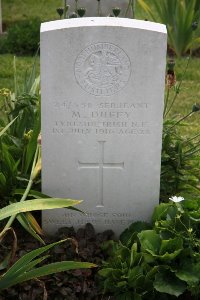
(23, 37)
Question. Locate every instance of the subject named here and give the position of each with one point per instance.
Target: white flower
(176, 199)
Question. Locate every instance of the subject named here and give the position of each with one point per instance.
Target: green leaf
(167, 282)
(51, 269)
(36, 204)
(105, 272)
(2, 179)
(190, 273)
(126, 296)
(128, 236)
(150, 241)
(170, 248)
(22, 269)
(27, 226)
(32, 193)
(27, 258)
(121, 284)
(7, 126)
(162, 210)
(133, 275)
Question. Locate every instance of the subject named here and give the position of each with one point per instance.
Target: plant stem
(99, 8)
(127, 9)
(133, 8)
(191, 153)
(166, 102)
(178, 87)
(193, 148)
(76, 5)
(194, 137)
(183, 118)
(65, 9)
(15, 76)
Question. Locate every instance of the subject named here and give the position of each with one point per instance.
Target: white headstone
(102, 83)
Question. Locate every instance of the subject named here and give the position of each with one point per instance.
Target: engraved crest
(102, 69)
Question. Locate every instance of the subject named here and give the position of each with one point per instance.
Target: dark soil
(77, 284)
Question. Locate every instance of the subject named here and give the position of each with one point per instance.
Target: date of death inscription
(104, 118)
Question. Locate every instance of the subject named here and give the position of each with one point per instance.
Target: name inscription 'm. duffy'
(102, 69)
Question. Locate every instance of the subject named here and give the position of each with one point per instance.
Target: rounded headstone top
(103, 21)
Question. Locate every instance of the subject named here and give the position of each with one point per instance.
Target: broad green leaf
(162, 210)
(128, 236)
(150, 241)
(36, 204)
(170, 248)
(190, 273)
(167, 282)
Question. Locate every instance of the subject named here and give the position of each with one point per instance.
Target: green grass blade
(147, 9)
(36, 204)
(7, 280)
(32, 193)
(7, 126)
(27, 258)
(51, 269)
(27, 226)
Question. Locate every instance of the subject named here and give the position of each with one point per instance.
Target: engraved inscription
(102, 69)
(100, 118)
(101, 165)
(95, 218)
(81, 222)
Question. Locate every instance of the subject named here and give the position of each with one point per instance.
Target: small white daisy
(176, 199)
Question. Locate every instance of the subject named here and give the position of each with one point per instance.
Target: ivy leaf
(167, 282)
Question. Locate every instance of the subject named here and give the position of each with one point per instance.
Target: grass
(23, 65)
(14, 10)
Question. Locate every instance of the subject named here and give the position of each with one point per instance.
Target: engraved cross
(101, 165)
